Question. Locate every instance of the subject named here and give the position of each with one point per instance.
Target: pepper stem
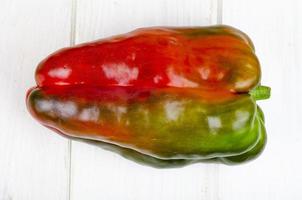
(261, 92)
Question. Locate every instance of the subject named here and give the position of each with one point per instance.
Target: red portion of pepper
(157, 58)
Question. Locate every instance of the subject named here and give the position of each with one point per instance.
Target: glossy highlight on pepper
(161, 96)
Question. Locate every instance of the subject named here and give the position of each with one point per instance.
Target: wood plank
(276, 29)
(34, 162)
(98, 174)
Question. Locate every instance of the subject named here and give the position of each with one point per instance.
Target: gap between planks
(73, 23)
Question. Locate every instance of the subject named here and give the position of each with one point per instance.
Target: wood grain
(33, 160)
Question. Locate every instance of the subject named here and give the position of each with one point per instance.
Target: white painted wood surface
(34, 162)
(276, 30)
(37, 164)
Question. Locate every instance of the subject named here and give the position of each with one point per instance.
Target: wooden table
(37, 164)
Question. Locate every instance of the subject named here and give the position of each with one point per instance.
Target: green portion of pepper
(173, 163)
(165, 125)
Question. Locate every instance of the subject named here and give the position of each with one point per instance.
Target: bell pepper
(161, 96)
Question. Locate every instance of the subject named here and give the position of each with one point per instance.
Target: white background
(36, 163)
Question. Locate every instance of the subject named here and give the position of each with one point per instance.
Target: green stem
(261, 92)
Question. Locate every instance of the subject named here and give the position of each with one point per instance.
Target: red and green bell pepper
(161, 96)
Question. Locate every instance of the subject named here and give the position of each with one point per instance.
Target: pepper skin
(164, 97)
